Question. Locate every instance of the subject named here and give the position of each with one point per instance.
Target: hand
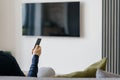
(36, 50)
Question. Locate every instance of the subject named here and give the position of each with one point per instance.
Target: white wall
(7, 30)
(63, 54)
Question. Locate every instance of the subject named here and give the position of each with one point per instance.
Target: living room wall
(63, 54)
(7, 25)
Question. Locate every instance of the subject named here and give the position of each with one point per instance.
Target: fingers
(36, 50)
(36, 47)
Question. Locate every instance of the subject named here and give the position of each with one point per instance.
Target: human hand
(36, 50)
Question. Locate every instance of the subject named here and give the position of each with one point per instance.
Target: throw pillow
(103, 74)
(46, 72)
(88, 72)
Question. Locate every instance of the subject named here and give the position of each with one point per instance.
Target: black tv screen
(51, 19)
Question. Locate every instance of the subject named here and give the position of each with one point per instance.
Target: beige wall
(7, 30)
(63, 54)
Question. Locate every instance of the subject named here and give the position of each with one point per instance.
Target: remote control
(37, 42)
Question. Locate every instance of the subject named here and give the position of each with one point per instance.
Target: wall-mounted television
(51, 19)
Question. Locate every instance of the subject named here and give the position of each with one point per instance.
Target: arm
(34, 66)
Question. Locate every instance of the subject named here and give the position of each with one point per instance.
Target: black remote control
(37, 42)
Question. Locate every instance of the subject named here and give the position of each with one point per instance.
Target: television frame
(50, 26)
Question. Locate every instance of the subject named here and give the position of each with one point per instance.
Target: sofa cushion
(103, 74)
(88, 72)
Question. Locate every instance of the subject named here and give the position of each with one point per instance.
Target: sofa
(97, 71)
(31, 78)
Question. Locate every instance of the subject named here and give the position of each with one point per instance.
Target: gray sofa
(47, 73)
(16, 78)
(31, 78)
